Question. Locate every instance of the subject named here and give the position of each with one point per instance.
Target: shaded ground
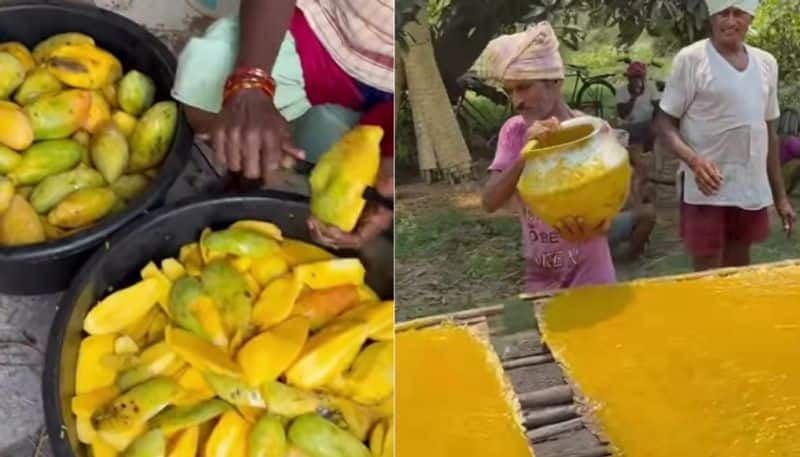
(451, 255)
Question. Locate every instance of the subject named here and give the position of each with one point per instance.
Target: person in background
(248, 77)
(635, 223)
(727, 142)
(637, 101)
(790, 162)
(529, 66)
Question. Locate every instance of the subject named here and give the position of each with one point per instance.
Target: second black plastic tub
(158, 236)
(48, 267)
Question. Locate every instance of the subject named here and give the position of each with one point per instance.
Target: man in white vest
(719, 115)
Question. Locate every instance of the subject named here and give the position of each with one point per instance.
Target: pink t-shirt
(550, 262)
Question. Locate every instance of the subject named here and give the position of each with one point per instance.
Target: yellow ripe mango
(136, 92)
(125, 122)
(45, 159)
(207, 314)
(8, 159)
(128, 187)
(229, 437)
(371, 378)
(16, 130)
(191, 258)
(269, 354)
(276, 301)
(20, 52)
(327, 354)
(122, 308)
(59, 116)
(322, 306)
(38, 83)
(152, 138)
(43, 50)
(109, 150)
(99, 112)
(6, 194)
(172, 269)
(376, 439)
(185, 444)
(84, 66)
(266, 269)
(194, 388)
(265, 228)
(110, 94)
(366, 294)
(85, 431)
(296, 252)
(138, 329)
(91, 374)
(165, 285)
(154, 361)
(377, 315)
(331, 273)
(84, 405)
(12, 74)
(83, 207)
(125, 345)
(199, 353)
(384, 334)
(20, 225)
(102, 449)
(155, 332)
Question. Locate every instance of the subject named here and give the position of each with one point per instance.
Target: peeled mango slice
(138, 329)
(229, 438)
(269, 354)
(125, 122)
(276, 301)
(376, 439)
(8, 159)
(136, 93)
(38, 83)
(55, 188)
(184, 293)
(125, 345)
(172, 268)
(177, 418)
(84, 66)
(128, 187)
(86, 433)
(6, 194)
(377, 315)
(99, 112)
(288, 401)
(342, 174)
(200, 354)
(12, 74)
(265, 269)
(191, 258)
(355, 418)
(388, 442)
(91, 374)
(16, 130)
(265, 228)
(384, 334)
(318, 437)
(20, 225)
(102, 449)
(371, 378)
(331, 273)
(43, 50)
(83, 207)
(366, 294)
(235, 391)
(321, 306)
(132, 410)
(153, 135)
(195, 388)
(154, 361)
(186, 444)
(20, 52)
(60, 115)
(297, 252)
(327, 354)
(151, 444)
(210, 320)
(240, 242)
(110, 154)
(45, 159)
(229, 290)
(122, 308)
(268, 438)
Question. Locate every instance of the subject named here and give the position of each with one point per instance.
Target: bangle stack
(249, 78)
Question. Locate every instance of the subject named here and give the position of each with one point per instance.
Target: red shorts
(707, 229)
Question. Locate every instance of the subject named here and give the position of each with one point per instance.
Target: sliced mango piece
(185, 292)
(297, 252)
(327, 354)
(265, 269)
(210, 320)
(165, 285)
(200, 354)
(240, 242)
(125, 345)
(289, 401)
(191, 258)
(269, 354)
(185, 444)
(92, 375)
(376, 439)
(268, 438)
(331, 273)
(122, 308)
(138, 329)
(177, 418)
(99, 112)
(351, 416)
(321, 306)
(229, 290)
(384, 334)
(194, 388)
(317, 437)
(86, 433)
(366, 294)
(155, 332)
(172, 269)
(84, 405)
(265, 228)
(101, 449)
(235, 391)
(371, 378)
(276, 301)
(151, 444)
(229, 438)
(377, 315)
(154, 361)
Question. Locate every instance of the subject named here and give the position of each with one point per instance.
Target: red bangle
(248, 78)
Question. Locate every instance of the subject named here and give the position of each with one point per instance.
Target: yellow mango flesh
(270, 353)
(185, 444)
(91, 373)
(122, 308)
(83, 207)
(200, 354)
(342, 174)
(377, 315)
(297, 252)
(125, 122)
(276, 301)
(327, 354)
(210, 320)
(194, 388)
(20, 52)
(19, 224)
(265, 228)
(191, 259)
(445, 374)
(172, 269)
(702, 366)
(16, 130)
(84, 66)
(265, 269)
(12, 74)
(101, 449)
(371, 379)
(321, 306)
(99, 112)
(229, 438)
(85, 404)
(44, 48)
(331, 273)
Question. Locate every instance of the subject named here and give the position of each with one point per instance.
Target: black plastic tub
(48, 267)
(159, 235)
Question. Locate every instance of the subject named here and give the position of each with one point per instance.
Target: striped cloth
(359, 35)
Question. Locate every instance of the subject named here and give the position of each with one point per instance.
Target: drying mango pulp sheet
(702, 367)
(451, 398)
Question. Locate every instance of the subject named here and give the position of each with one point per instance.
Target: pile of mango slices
(248, 344)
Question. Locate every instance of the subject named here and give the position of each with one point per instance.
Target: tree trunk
(440, 145)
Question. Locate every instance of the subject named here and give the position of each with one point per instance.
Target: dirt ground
(451, 255)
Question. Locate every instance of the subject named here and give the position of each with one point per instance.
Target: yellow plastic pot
(579, 171)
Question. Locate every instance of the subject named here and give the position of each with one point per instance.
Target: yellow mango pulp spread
(451, 398)
(692, 368)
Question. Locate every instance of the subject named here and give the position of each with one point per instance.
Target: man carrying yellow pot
(528, 65)
(719, 115)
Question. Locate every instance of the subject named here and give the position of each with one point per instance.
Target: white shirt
(724, 114)
(643, 106)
